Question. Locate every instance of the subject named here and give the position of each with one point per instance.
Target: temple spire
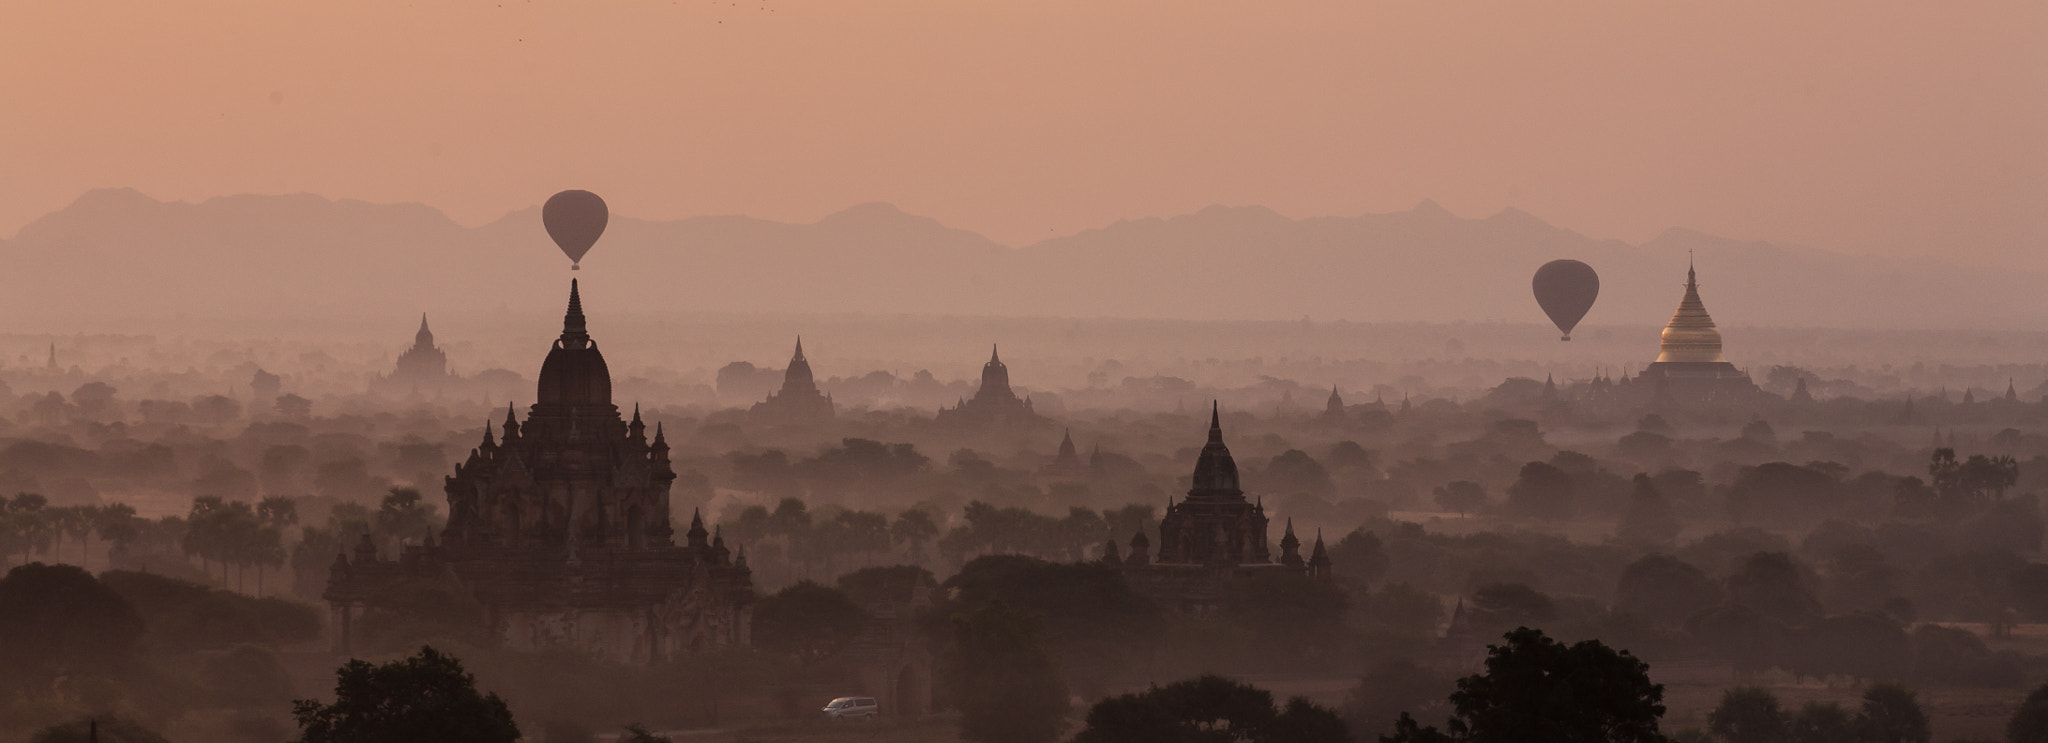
(799, 349)
(1068, 460)
(1319, 559)
(1691, 336)
(1215, 471)
(575, 333)
(697, 533)
(994, 356)
(1290, 548)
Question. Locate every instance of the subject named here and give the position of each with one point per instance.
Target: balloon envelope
(575, 219)
(1566, 289)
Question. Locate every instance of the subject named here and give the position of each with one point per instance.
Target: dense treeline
(1842, 539)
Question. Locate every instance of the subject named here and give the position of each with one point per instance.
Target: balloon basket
(1565, 338)
(579, 267)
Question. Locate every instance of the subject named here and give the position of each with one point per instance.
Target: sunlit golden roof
(1691, 336)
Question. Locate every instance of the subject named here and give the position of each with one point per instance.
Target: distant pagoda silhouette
(561, 532)
(423, 368)
(1212, 536)
(1333, 409)
(799, 401)
(1067, 463)
(994, 403)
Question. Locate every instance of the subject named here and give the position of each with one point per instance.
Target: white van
(852, 708)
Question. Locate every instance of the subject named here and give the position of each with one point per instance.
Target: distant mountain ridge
(305, 255)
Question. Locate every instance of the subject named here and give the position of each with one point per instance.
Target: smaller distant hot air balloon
(575, 219)
(1566, 289)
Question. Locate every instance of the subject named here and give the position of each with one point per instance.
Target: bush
(185, 617)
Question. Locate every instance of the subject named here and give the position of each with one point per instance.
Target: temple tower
(1690, 367)
(994, 402)
(1214, 524)
(1067, 463)
(560, 529)
(1691, 336)
(421, 368)
(1213, 538)
(799, 400)
(995, 381)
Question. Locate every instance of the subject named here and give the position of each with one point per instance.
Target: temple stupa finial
(1691, 337)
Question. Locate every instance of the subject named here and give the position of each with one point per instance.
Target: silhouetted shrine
(994, 403)
(1212, 536)
(561, 531)
(421, 368)
(799, 400)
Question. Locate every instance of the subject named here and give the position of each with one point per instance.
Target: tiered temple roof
(560, 529)
(799, 400)
(994, 402)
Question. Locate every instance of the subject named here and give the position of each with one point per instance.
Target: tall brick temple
(560, 530)
(1213, 536)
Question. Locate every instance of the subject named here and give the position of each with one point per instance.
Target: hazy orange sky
(1893, 127)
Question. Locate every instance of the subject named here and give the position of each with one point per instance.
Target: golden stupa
(1689, 365)
(1691, 336)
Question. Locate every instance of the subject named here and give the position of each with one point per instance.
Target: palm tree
(11, 535)
(241, 542)
(202, 533)
(268, 550)
(403, 514)
(914, 527)
(28, 524)
(278, 510)
(116, 524)
(77, 521)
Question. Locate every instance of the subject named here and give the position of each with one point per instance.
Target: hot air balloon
(1566, 289)
(575, 219)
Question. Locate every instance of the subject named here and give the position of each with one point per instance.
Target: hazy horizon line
(1427, 204)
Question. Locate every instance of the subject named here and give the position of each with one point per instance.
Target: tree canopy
(1209, 709)
(1537, 690)
(57, 620)
(2029, 723)
(427, 696)
(807, 621)
(1006, 683)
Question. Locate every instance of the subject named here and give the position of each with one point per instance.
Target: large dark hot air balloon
(1566, 289)
(575, 219)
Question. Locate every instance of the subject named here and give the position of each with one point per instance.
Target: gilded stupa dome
(1691, 336)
